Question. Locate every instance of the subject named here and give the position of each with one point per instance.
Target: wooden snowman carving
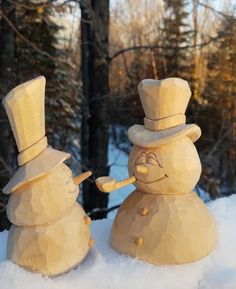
(163, 221)
(51, 232)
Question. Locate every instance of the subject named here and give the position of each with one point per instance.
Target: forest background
(93, 54)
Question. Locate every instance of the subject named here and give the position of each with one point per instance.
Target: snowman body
(163, 221)
(51, 233)
(53, 248)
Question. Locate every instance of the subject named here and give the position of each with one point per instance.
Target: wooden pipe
(109, 184)
(80, 178)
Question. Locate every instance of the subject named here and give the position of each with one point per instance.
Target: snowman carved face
(171, 168)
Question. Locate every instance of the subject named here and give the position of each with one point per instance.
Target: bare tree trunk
(95, 79)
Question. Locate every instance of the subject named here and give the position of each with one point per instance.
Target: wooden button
(139, 241)
(91, 243)
(144, 211)
(87, 220)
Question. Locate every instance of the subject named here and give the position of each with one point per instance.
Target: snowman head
(60, 178)
(43, 199)
(171, 168)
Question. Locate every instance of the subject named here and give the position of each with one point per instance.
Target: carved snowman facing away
(51, 233)
(163, 221)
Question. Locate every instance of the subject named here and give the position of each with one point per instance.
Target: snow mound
(106, 269)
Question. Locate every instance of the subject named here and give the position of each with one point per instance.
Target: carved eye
(152, 161)
(141, 159)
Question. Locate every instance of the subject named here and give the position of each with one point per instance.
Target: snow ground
(106, 269)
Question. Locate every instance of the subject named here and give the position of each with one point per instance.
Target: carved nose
(142, 169)
(79, 179)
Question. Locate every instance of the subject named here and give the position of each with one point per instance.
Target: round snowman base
(164, 229)
(53, 248)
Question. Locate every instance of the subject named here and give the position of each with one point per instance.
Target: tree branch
(198, 46)
(212, 9)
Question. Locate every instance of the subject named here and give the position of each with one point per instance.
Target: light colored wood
(173, 168)
(161, 99)
(25, 109)
(32, 151)
(177, 230)
(162, 221)
(164, 103)
(139, 242)
(79, 179)
(54, 248)
(91, 243)
(51, 232)
(142, 169)
(140, 136)
(108, 184)
(41, 165)
(145, 211)
(43, 200)
(87, 220)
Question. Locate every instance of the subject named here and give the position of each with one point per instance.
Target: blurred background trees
(94, 53)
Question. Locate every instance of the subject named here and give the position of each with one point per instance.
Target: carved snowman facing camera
(163, 221)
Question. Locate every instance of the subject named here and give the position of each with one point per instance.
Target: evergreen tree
(176, 33)
(220, 96)
(32, 35)
(36, 21)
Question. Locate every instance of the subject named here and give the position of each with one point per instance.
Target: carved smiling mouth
(158, 180)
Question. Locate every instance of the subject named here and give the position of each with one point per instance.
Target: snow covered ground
(106, 269)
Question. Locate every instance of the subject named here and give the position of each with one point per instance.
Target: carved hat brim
(45, 162)
(142, 137)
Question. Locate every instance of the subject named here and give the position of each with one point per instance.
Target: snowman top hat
(25, 109)
(164, 103)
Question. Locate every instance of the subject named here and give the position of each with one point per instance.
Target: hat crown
(25, 109)
(164, 98)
